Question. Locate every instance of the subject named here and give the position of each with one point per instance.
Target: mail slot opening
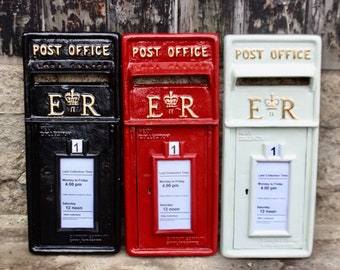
(273, 81)
(73, 141)
(271, 116)
(171, 134)
(177, 79)
(71, 78)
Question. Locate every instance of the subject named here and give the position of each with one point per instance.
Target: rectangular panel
(72, 75)
(252, 65)
(257, 142)
(72, 110)
(171, 119)
(174, 194)
(179, 73)
(178, 163)
(182, 184)
(77, 193)
(270, 143)
(269, 206)
(72, 100)
(70, 174)
(266, 153)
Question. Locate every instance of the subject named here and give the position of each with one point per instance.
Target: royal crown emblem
(271, 102)
(72, 98)
(170, 100)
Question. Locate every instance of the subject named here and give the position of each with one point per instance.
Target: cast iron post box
(271, 119)
(171, 135)
(73, 141)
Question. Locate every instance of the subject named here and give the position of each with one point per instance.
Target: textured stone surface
(328, 185)
(14, 254)
(12, 141)
(11, 89)
(12, 164)
(330, 94)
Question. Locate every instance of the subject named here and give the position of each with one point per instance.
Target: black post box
(73, 141)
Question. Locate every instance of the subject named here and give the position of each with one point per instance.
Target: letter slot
(73, 141)
(270, 144)
(171, 131)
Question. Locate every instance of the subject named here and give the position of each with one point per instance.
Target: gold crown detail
(271, 102)
(72, 98)
(171, 100)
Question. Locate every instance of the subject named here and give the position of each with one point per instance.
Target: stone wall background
(132, 16)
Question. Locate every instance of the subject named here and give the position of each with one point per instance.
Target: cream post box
(270, 143)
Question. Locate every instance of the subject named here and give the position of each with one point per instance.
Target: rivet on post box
(171, 135)
(73, 141)
(270, 144)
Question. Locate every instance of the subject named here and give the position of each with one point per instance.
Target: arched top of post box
(280, 80)
(72, 76)
(190, 62)
(71, 53)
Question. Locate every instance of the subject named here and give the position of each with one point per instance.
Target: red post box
(171, 142)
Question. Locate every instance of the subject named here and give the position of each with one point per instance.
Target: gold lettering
(88, 50)
(300, 54)
(134, 51)
(142, 51)
(185, 51)
(287, 108)
(98, 50)
(254, 108)
(46, 49)
(197, 51)
(280, 53)
(171, 51)
(149, 52)
(290, 54)
(71, 49)
(35, 49)
(188, 51)
(205, 51)
(238, 53)
(273, 54)
(55, 104)
(187, 107)
(253, 53)
(106, 50)
(88, 105)
(78, 50)
(153, 106)
(178, 50)
(58, 49)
